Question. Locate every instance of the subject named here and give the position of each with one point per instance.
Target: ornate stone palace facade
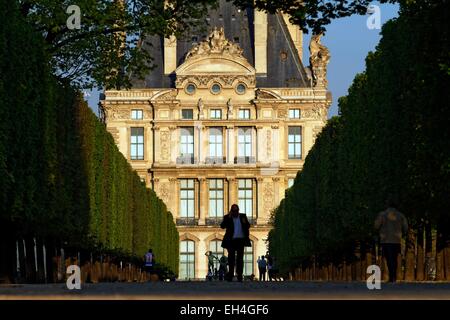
(224, 119)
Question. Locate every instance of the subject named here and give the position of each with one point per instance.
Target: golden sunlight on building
(224, 118)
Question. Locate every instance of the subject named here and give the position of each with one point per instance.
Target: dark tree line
(391, 139)
(63, 181)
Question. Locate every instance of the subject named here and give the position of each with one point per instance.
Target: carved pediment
(216, 43)
(265, 94)
(166, 95)
(215, 57)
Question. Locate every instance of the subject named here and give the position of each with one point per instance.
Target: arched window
(187, 259)
(215, 246)
(248, 260)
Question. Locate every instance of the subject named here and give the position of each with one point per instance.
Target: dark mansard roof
(284, 68)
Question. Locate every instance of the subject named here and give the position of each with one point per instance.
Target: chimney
(260, 42)
(170, 54)
(296, 35)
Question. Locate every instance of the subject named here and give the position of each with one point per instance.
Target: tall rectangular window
(187, 141)
(216, 114)
(215, 198)
(244, 114)
(215, 142)
(248, 260)
(137, 144)
(295, 143)
(245, 142)
(245, 196)
(187, 198)
(187, 260)
(137, 114)
(294, 113)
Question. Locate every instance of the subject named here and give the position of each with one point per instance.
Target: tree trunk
(420, 261)
(447, 260)
(440, 246)
(410, 255)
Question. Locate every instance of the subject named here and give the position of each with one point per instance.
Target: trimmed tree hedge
(62, 177)
(391, 138)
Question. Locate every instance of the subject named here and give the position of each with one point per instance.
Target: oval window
(240, 88)
(215, 88)
(190, 88)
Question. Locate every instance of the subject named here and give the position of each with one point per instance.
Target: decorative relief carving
(225, 80)
(320, 112)
(282, 113)
(216, 43)
(268, 197)
(269, 143)
(147, 114)
(165, 145)
(164, 192)
(112, 113)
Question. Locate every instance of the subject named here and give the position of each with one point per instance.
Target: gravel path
(223, 290)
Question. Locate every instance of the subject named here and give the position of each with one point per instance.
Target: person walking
(262, 266)
(149, 259)
(391, 224)
(235, 239)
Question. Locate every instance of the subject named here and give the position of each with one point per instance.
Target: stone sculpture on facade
(216, 43)
(318, 60)
(200, 108)
(230, 108)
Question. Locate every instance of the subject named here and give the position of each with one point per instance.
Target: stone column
(260, 42)
(260, 157)
(231, 145)
(200, 149)
(157, 144)
(149, 145)
(275, 143)
(172, 204)
(259, 203)
(203, 200)
(232, 198)
(174, 144)
(176, 213)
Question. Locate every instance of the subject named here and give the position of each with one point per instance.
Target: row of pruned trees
(63, 181)
(391, 139)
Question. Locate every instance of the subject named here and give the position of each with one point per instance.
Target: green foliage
(106, 48)
(391, 139)
(62, 175)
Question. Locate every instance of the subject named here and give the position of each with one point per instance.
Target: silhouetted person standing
(262, 266)
(391, 224)
(235, 239)
(149, 260)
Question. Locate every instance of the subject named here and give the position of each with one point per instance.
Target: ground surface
(224, 290)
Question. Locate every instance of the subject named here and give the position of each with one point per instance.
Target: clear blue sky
(349, 41)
